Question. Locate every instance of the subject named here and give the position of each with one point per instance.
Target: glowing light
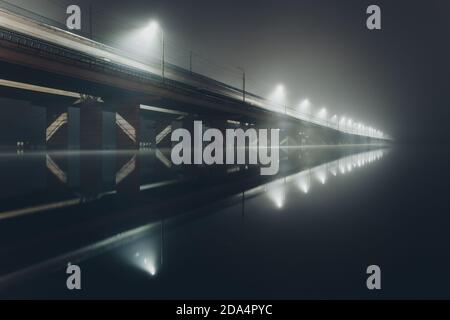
(279, 202)
(322, 113)
(342, 167)
(276, 193)
(305, 106)
(152, 28)
(349, 166)
(149, 267)
(145, 256)
(280, 88)
(321, 174)
(304, 183)
(278, 96)
(322, 177)
(144, 41)
(334, 168)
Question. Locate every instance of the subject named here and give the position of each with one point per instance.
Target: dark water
(141, 228)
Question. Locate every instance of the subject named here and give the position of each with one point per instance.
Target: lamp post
(152, 28)
(335, 122)
(323, 115)
(243, 84)
(163, 53)
(305, 109)
(278, 97)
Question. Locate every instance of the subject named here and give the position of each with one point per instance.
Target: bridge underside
(39, 120)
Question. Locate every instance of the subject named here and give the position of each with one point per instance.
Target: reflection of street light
(150, 267)
(321, 175)
(276, 192)
(304, 182)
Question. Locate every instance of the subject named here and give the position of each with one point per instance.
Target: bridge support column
(91, 120)
(128, 125)
(57, 128)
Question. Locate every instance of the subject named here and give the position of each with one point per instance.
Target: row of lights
(304, 111)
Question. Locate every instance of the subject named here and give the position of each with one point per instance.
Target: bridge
(71, 82)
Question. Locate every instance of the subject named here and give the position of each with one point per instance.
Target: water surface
(140, 227)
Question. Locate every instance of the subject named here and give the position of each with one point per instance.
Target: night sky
(396, 79)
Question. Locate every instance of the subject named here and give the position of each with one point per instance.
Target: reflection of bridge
(81, 234)
(73, 178)
(76, 81)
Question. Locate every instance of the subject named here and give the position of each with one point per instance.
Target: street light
(350, 125)
(278, 96)
(335, 121)
(323, 115)
(305, 107)
(360, 128)
(342, 124)
(152, 29)
(280, 89)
